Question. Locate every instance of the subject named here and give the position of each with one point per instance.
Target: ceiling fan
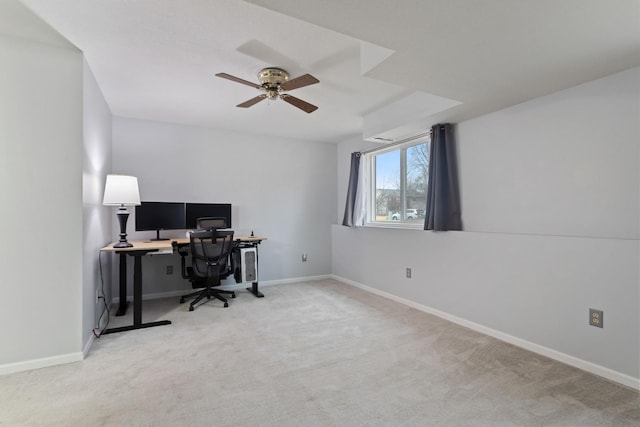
(274, 82)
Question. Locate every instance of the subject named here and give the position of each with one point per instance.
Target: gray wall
(40, 179)
(55, 134)
(280, 189)
(97, 219)
(550, 198)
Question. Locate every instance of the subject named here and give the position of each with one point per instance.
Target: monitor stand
(158, 236)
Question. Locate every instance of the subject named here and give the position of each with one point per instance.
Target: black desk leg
(137, 290)
(137, 300)
(254, 290)
(122, 306)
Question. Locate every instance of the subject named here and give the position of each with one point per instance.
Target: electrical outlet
(596, 318)
(304, 257)
(408, 273)
(169, 269)
(98, 295)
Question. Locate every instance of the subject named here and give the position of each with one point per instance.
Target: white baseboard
(87, 347)
(49, 361)
(45, 362)
(296, 280)
(601, 371)
(231, 287)
(92, 338)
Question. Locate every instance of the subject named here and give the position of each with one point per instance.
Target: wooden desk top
(156, 245)
(162, 245)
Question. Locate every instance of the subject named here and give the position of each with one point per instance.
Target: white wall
(96, 230)
(550, 197)
(41, 192)
(565, 164)
(280, 189)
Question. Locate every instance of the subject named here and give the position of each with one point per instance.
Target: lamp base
(124, 244)
(123, 215)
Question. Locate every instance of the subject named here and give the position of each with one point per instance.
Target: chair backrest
(211, 222)
(210, 250)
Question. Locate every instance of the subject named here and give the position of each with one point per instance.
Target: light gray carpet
(310, 354)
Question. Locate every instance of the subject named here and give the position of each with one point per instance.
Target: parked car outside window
(410, 214)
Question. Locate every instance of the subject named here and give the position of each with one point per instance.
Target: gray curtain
(443, 195)
(352, 190)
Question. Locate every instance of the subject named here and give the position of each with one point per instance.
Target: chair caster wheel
(191, 308)
(233, 295)
(181, 300)
(226, 304)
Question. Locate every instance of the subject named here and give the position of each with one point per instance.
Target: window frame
(371, 190)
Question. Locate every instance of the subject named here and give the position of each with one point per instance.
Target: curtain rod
(394, 143)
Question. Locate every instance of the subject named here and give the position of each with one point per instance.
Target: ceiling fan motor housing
(272, 78)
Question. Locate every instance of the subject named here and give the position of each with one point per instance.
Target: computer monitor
(160, 216)
(201, 210)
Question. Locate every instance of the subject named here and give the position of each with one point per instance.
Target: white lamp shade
(121, 190)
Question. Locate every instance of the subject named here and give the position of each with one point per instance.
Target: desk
(138, 250)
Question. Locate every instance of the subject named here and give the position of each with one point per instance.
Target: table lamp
(122, 191)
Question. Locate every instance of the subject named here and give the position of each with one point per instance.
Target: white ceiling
(156, 59)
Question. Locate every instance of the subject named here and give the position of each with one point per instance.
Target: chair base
(207, 293)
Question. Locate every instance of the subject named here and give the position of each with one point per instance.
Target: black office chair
(211, 222)
(210, 250)
(202, 223)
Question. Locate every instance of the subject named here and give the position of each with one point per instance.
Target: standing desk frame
(141, 248)
(137, 251)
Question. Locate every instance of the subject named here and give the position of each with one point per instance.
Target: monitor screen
(160, 216)
(201, 210)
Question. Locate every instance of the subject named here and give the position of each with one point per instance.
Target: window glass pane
(416, 182)
(387, 179)
(400, 176)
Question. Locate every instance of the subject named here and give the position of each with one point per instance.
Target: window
(398, 183)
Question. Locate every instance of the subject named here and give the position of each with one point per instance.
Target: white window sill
(396, 225)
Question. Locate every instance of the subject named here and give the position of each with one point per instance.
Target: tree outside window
(400, 178)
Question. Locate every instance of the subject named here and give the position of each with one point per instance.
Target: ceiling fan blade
(252, 101)
(302, 81)
(238, 80)
(297, 102)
